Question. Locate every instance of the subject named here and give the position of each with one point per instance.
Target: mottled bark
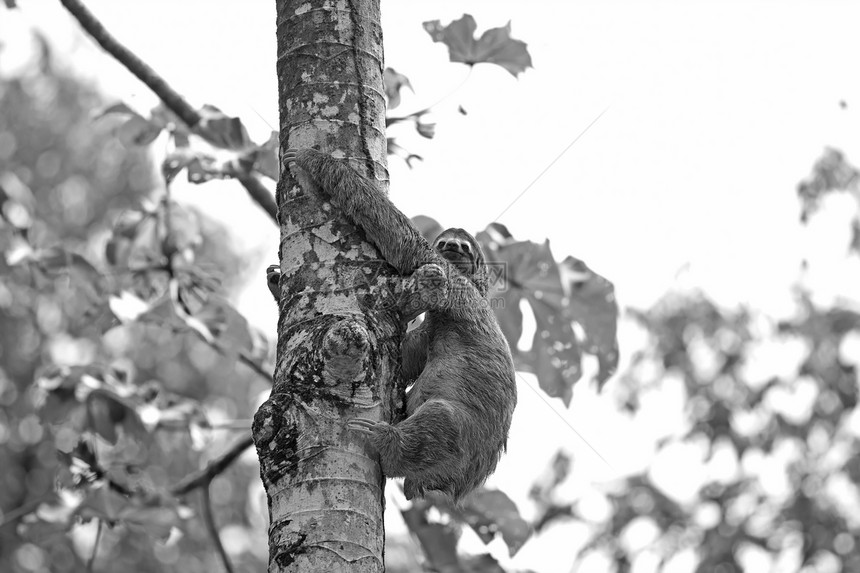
(338, 333)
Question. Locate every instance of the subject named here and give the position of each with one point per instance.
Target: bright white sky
(715, 111)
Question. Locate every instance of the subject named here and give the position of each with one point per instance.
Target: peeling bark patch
(287, 553)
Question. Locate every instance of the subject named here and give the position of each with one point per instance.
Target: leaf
(531, 273)
(102, 415)
(425, 129)
(102, 503)
(17, 201)
(495, 46)
(82, 292)
(489, 512)
(509, 314)
(544, 487)
(592, 304)
(201, 166)
(54, 394)
(163, 116)
(123, 234)
(438, 540)
(189, 320)
(831, 172)
(427, 226)
(138, 131)
(559, 295)
(267, 161)
(228, 325)
(394, 82)
(44, 532)
(157, 521)
(484, 563)
(59, 260)
(111, 507)
(176, 161)
(222, 130)
(393, 148)
(185, 230)
(555, 353)
(854, 244)
(106, 411)
(120, 108)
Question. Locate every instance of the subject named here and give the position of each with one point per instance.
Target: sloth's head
(462, 250)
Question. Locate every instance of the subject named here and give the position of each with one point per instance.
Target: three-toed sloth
(460, 406)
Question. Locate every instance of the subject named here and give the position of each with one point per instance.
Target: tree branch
(175, 102)
(250, 363)
(28, 507)
(203, 477)
(171, 98)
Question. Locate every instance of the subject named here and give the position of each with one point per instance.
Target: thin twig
(92, 559)
(14, 515)
(175, 102)
(250, 363)
(209, 520)
(204, 476)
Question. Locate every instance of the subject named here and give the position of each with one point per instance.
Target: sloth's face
(460, 249)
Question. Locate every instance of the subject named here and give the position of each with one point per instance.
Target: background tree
(769, 432)
(74, 366)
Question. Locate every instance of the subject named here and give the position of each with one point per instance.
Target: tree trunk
(337, 356)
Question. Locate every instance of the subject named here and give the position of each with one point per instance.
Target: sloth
(459, 407)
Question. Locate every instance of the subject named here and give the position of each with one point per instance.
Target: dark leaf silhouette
(495, 46)
(394, 81)
(558, 298)
(490, 511)
(222, 130)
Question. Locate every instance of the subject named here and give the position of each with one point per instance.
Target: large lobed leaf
(560, 296)
(495, 46)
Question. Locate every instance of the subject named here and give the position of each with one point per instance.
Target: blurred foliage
(779, 453)
(113, 331)
(770, 436)
(488, 512)
(832, 173)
